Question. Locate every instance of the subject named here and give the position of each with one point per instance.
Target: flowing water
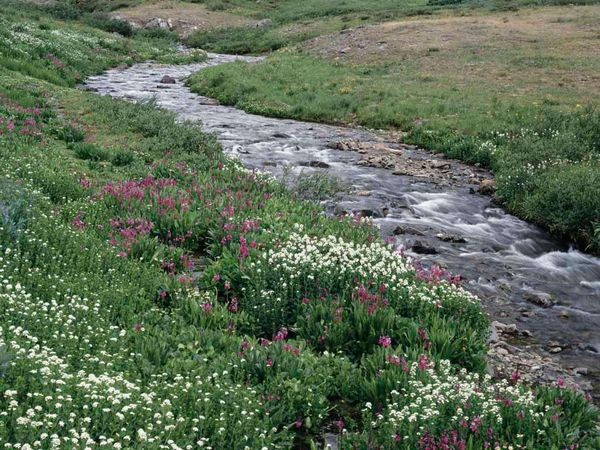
(502, 259)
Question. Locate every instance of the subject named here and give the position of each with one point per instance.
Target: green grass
(292, 22)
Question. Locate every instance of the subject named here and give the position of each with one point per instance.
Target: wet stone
(451, 238)
(440, 164)
(423, 248)
(240, 149)
(539, 298)
(407, 230)
(487, 187)
(316, 164)
(167, 79)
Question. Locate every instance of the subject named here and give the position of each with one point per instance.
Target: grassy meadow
(514, 91)
(155, 294)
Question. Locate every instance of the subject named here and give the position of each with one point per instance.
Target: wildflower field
(154, 294)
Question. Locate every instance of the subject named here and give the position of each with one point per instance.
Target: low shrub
(122, 157)
(65, 10)
(110, 24)
(238, 40)
(92, 152)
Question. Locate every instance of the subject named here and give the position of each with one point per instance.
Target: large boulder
(157, 22)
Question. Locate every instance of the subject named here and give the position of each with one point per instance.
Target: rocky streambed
(543, 296)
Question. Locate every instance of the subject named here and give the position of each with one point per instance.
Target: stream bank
(543, 296)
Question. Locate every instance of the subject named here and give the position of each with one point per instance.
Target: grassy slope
(37, 44)
(290, 22)
(101, 330)
(494, 86)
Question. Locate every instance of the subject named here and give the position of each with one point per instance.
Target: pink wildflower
(515, 376)
(281, 334)
(233, 305)
(385, 341)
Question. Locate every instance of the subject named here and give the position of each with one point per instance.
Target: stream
(523, 275)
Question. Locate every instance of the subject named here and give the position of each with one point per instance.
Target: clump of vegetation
(105, 22)
(90, 152)
(314, 186)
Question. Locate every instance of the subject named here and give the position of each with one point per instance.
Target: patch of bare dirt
(567, 28)
(184, 18)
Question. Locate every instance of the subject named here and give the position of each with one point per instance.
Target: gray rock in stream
(407, 230)
(451, 238)
(539, 298)
(167, 79)
(423, 249)
(316, 164)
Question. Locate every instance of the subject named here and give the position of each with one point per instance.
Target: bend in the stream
(508, 262)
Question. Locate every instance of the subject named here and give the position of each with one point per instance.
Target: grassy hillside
(155, 294)
(516, 91)
(287, 22)
(34, 42)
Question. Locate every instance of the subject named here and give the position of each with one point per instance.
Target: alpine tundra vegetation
(155, 294)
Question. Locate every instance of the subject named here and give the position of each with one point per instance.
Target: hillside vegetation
(155, 294)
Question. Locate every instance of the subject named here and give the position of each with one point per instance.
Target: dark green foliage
(239, 40)
(110, 24)
(122, 157)
(65, 10)
(157, 33)
(70, 133)
(91, 152)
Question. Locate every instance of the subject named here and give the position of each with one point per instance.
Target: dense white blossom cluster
(72, 375)
(334, 261)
